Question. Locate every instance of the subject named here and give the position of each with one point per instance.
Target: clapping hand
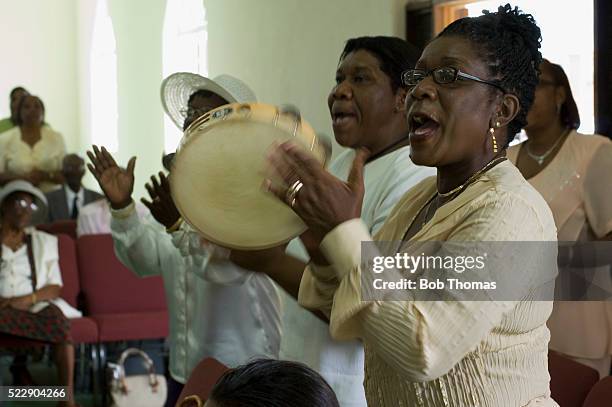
(161, 205)
(320, 199)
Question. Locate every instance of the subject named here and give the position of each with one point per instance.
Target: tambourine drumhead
(218, 172)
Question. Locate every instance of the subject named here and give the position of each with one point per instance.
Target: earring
(492, 132)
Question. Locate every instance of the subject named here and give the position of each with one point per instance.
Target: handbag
(144, 390)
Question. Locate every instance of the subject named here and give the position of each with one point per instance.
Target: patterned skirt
(48, 326)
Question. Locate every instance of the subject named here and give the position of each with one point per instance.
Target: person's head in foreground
(554, 105)
(187, 96)
(472, 89)
(367, 102)
(18, 201)
(272, 383)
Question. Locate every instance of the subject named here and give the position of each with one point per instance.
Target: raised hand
(161, 204)
(117, 183)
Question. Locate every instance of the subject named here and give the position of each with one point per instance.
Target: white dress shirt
(70, 195)
(232, 321)
(305, 337)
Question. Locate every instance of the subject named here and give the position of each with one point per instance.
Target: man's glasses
(442, 76)
(191, 112)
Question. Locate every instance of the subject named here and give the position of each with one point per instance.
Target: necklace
(387, 149)
(540, 158)
(472, 178)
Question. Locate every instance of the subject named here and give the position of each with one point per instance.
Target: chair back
(69, 269)
(601, 394)
(570, 381)
(110, 287)
(67, 227)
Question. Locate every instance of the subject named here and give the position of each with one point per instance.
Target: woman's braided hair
(508, 41)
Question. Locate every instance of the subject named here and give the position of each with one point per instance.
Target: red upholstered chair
(601, 394)
(202, 379)
(570, 381)
(83, 330)
(66, 227)
(124, 306)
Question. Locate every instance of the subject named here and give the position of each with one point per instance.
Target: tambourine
(218, 171)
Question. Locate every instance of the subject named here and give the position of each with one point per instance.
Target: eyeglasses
(24, 204)
(442, 76)
(191, 112)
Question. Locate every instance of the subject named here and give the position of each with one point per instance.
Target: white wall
(38, 43)
(288, 50)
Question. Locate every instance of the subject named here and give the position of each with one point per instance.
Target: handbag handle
(148, 363)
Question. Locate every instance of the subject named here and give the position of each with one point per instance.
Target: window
(567, 40)
(184, 49)
(103, 80)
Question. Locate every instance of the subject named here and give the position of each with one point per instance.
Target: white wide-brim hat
(23, 186)
(178, 87)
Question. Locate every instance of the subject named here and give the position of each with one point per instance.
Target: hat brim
(177, 88)
(22, 186)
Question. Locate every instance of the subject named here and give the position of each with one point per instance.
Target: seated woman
(30, 280)
(470, 94)
(32, 151)
(271, 383)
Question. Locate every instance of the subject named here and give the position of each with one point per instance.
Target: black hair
(569, 111)
(273, 383)
(204, 93)
(508, 41)
(15, 90)
(18, 121)
(395, 55)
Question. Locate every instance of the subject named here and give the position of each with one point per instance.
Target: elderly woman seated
(30, 281)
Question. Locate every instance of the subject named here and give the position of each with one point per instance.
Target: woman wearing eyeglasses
(30, 284)
(572, 172)
(470, 93)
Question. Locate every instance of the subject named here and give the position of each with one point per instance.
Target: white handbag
(146, 390)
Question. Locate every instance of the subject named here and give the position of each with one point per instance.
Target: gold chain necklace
(472, 178)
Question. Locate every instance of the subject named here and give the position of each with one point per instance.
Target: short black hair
(569, 111)
(273, 383)
(18, 121)
(395, 55)
(17, 89)
(509, 42)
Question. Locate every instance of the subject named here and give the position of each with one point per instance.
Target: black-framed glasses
(442, 76)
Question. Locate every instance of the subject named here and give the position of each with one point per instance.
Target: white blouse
(20, 158)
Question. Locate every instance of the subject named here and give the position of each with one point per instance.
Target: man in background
(66, 202)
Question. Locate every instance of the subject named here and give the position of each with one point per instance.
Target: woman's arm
(24, 302)
(423, 340)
